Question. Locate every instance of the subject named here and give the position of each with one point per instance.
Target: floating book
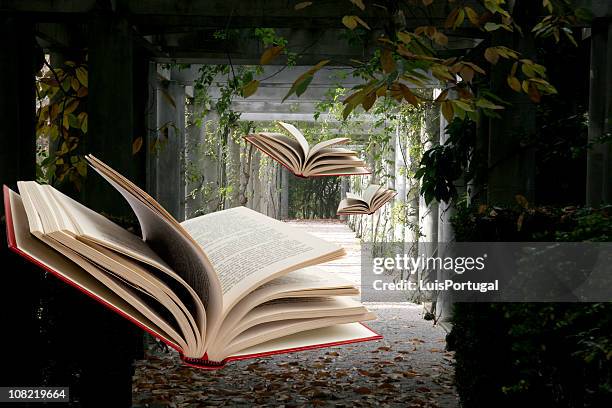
(225, 286)
(372, 199)
(322, 159)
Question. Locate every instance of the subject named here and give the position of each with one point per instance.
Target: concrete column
(170, 150)
(511, 164)
(400, 166)
(599, 156)
(111, 109)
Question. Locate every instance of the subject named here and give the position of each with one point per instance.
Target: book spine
(203, 363)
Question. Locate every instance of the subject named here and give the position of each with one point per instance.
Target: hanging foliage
(61, 123)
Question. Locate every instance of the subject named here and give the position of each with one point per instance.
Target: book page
(293, 131)
(340, 333)
(249, 249)
(40, 253)
(106, 265)
(328, 143)
(294, 308)
(269, 331)
(370, 193)
(285, 147)
(258, 142)
(172, 243)
(306, 282)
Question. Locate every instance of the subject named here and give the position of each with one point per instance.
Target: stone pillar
(110, 135)
(170, 148)
(20, 303)
(111, 109)
(511, 164)
(599, 156)
(401, 151)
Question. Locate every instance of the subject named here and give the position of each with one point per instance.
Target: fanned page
(374, 197)
(248, 249)
(297, 156)
(172, 243)
(138, 286)
(25, 244)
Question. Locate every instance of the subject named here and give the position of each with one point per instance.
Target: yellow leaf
(514, 83)
(137, 145)
(472, 16)
(302, 5)
(82, 92)
(71, 106)
(358, 3)
(270, 53)
(409, 96)
(491, 55)
(250, 88)
(319, 65)
(81, 73)
(74, 83)
(447, 111)
(440, 38)
(349, 22)
(452, 18)
(363, 23)
(386, 61)
(404, 37)
(427, 2)
(368, 101)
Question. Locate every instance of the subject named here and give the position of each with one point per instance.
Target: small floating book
(323, 159)
(372, 199)
(225, 286)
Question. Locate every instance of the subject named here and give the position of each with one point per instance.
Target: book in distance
(294, 153)
(372, 199)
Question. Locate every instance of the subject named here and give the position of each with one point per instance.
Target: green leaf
(486, 104)
(250, 88)
(81, 73)
(303, 85)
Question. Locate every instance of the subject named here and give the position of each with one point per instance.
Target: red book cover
(202, 363)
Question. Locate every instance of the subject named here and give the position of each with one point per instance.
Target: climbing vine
(61, 123)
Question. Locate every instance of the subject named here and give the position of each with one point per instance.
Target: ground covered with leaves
(409, 368)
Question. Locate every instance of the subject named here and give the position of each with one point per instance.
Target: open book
(372, 199)
(322, 159)
(224, 286)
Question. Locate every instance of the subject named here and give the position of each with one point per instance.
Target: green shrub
(552, 354)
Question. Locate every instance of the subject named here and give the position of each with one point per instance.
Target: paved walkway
(409, 368)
